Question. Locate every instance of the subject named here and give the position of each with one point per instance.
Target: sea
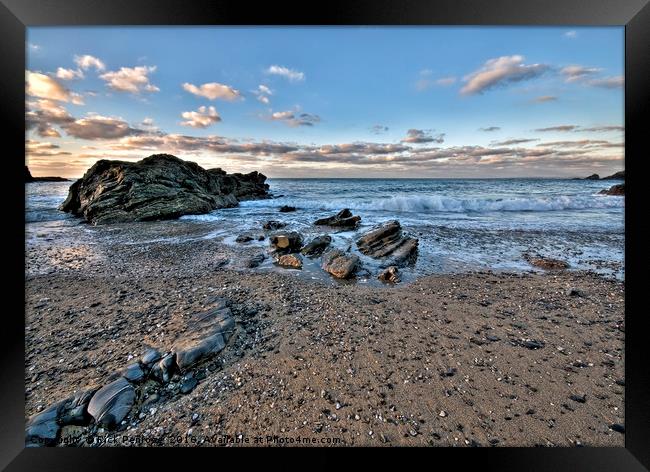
(463, 225)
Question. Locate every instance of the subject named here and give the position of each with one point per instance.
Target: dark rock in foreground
(110, 405)
(158, 187)
(341, 265)
(343, 219)
(207, 335)
(616, 190)
(29, 178)
(317, 245)
(387, 240)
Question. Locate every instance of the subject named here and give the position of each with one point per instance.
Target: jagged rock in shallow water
(287, 209)
(158, 187)
(342, 219)
(546, 263)
(292, 261)
(391, 275)
(285, 242)
(272, 225)
(317, 245)
(243, 238)
(617, 190)
(340, 264)
(386, 241)
(207, 335)
(110, 405)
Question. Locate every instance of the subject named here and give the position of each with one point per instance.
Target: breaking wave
(437, 203)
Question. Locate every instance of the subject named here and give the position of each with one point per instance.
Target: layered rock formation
(340, 264)
(388, 241)
(158, 187)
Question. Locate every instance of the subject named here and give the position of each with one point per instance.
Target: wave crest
(438, 203)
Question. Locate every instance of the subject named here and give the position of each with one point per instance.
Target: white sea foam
(439, 203)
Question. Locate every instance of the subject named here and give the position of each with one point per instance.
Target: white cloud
(419, 136)
(576, 73)
(426, 80)
(263, 93)
(69, 74)
(43, 86)
(130, 79)
(86, 61)
(291, 74)
(571, 34)
(292, 119)
(202, 118)
(213, 91)
(96, 126)
(608, 82)
(500, 71)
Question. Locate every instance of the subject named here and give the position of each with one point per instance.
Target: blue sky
(313, 88)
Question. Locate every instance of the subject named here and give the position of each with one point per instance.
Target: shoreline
(383, 354)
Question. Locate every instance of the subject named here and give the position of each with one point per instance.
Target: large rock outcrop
(158, 187)
(616, 176)
(617, 190)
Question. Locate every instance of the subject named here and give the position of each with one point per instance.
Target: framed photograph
(379, 224)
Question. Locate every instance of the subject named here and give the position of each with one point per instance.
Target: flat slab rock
(546, 263)
(206, 335)
(110, 405)
(388, 241)
(340, 264)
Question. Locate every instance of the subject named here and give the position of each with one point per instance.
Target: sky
(446, 102)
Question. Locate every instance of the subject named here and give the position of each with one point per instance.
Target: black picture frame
(17, 15)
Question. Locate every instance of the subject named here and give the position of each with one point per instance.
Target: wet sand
(476, 359)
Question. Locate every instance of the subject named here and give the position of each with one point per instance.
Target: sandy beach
(475, 359)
